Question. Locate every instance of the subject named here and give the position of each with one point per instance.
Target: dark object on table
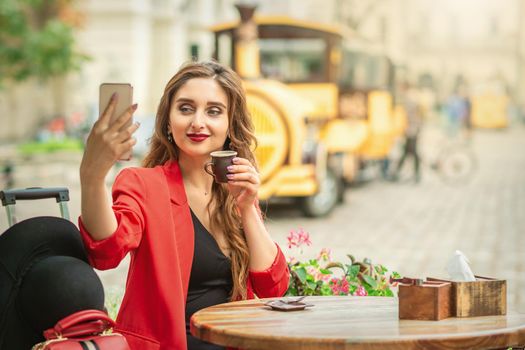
(288, 304)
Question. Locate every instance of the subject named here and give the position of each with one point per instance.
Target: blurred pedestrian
(467, 118)
(414, 122)
(458, 111)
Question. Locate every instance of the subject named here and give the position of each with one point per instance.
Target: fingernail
(235, 160)
(114, 96)
(137, 123)
(134, 106)
(230, 168)
(230, 176)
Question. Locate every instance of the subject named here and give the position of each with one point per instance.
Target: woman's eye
(185, 109)
(214, 111)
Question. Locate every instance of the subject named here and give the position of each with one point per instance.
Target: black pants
(410, 149)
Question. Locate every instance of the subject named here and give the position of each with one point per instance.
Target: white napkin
(458, 268)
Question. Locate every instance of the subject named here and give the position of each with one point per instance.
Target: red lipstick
(197, 137)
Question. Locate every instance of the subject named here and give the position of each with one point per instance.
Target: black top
(210, 280)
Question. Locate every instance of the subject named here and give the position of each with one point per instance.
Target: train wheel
(324, 201)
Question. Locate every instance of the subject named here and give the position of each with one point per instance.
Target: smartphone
(125, 99)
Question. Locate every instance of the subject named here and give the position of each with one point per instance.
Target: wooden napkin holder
(483, 297)
(426, 300)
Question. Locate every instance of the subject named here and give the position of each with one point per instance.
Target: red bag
(88, 329)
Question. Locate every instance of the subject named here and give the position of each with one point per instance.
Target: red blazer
(155, 225)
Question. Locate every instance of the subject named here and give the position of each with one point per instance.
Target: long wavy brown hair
(222, 208)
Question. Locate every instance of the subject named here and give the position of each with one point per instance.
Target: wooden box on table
(483, 297)
(428, 301)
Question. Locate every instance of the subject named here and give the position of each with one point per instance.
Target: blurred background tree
(36, 39)
(37, 55)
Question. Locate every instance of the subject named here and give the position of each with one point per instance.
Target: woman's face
(199, 117)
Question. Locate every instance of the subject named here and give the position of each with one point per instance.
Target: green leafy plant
(37, 39)
(50, 146)
(322, 276)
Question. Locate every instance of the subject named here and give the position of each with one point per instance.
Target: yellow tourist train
(319, 109)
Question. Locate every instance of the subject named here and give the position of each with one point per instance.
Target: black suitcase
(9, 198)
(36, 249)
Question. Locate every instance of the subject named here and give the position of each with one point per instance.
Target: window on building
(362, 71)
(194, 52)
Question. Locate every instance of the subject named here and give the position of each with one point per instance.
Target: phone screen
(125, 99)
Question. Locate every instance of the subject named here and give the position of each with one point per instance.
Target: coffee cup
(218, 167)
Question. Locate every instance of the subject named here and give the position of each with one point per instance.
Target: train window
(293, 60)
(364, 71)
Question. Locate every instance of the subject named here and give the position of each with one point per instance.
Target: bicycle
(454, 161)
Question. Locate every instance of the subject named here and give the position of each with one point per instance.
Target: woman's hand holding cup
(240, 175)
(218, 167)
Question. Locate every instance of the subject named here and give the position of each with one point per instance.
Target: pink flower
(324, 277)
(360, 292)
(345, 287)
(334, 286)
(304, 237)
(324, 254)
(291, 241)
(339, 286)
(317, 274)
(311, 270)
(298, 238)
(292, 260)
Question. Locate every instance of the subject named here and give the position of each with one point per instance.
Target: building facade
(434, 44)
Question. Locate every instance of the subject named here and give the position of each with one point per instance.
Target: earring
(170, 138)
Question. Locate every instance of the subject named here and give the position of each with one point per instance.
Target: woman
(193, 242)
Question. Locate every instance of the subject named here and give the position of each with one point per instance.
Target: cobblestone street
(415, 228)
(410, 228)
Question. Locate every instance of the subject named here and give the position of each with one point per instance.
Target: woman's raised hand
(107, 142)
(243, 182)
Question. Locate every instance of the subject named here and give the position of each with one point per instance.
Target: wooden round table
(349, 323)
